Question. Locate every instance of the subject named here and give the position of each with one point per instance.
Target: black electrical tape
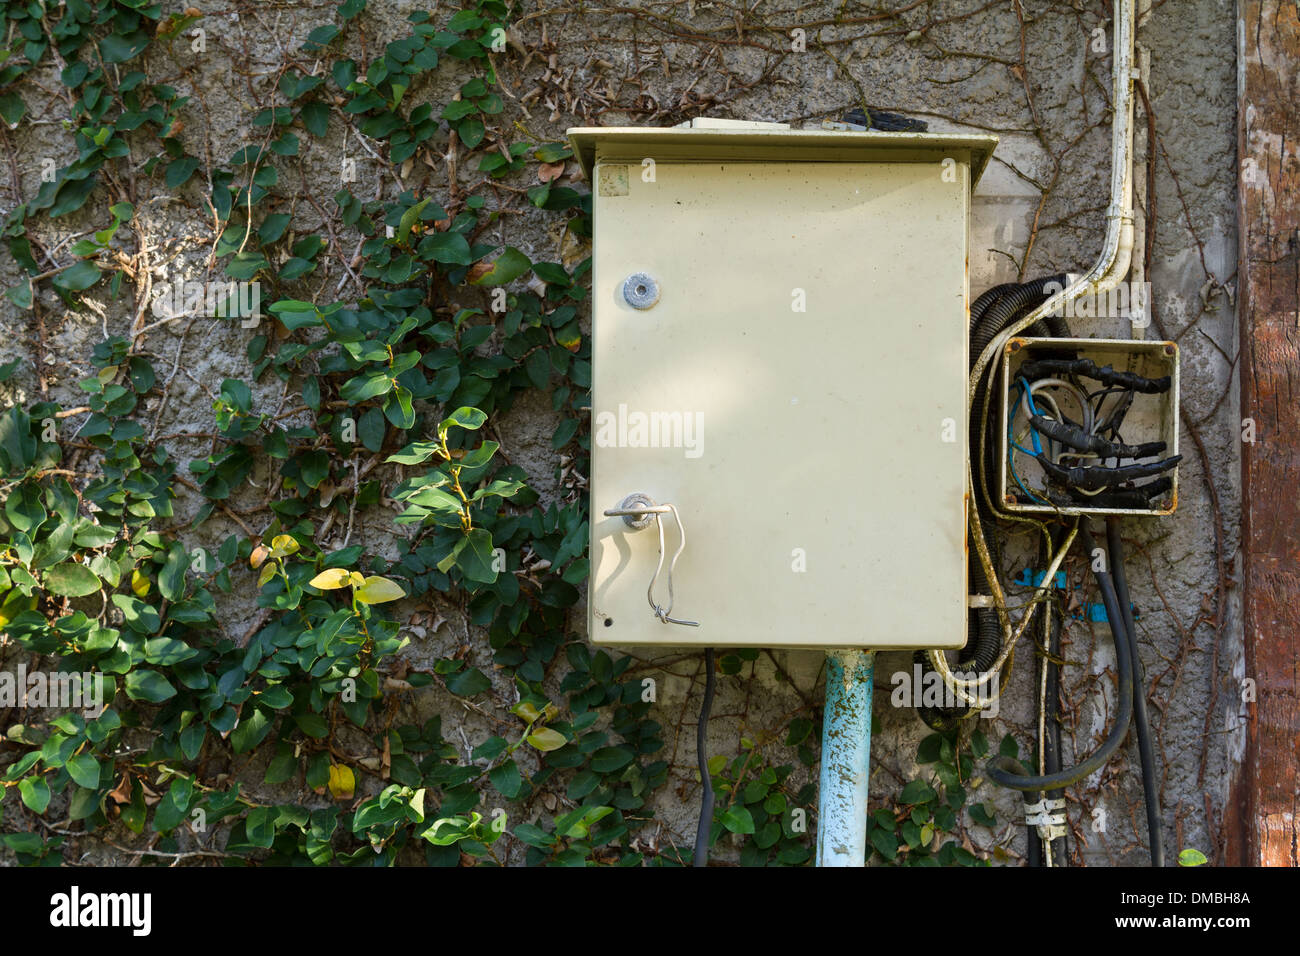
(1128, 499)
(1046, 368)
(1132, 499)
(1076, 437)
(1098, 479)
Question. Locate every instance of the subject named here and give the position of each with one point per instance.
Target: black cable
(1052, 757)
(1009, 773)
(701, 748)
(1146, 753)
(1050, 709)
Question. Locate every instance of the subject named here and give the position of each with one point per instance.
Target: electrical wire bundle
(1060, 445)
(991, 313)
(1074, 454)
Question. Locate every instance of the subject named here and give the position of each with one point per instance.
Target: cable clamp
(979, 600)
(1048, 817)
(1116, 211)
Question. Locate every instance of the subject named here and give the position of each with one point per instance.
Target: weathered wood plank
(1262, 820)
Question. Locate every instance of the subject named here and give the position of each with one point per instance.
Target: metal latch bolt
(637, 511)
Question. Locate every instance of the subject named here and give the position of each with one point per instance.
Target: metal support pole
(846, 759)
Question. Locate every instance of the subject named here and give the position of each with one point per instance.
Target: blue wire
(1014, 445)
(1033, 410)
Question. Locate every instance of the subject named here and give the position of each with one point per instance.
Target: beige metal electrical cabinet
(780, 362)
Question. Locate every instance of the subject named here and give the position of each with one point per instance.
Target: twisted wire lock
(637, 511)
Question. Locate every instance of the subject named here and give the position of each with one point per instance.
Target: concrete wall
(1036, 74)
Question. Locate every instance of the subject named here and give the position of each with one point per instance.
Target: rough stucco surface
(960, 65)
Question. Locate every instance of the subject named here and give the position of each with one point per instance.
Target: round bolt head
(640, 291)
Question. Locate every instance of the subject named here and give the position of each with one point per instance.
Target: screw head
(640, 291)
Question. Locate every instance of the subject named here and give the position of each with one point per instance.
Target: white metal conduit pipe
(1111, 267)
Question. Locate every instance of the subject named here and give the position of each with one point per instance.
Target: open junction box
(1117, 395)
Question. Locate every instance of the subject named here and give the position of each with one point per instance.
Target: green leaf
(272, 228)
(84, 769)
(475, 559)
(80, 276)
(885, 843)
(71, 579)
(369, 384)
(507, 780)
(179, 171)
(409, 219)
(546, 739)
(464, 417)
(316, 117)
(20, 295)
(171, 580)
(313, 725)
(120, 47)
(510, 265)
(35, 793)
(738, 820)
(415, 453)
(450, 248)
(148, 686)
(314, 467)
(12, 107)
(917, 791)
(471, 131)
(609, 759)
(1191, 857)
(468, 682)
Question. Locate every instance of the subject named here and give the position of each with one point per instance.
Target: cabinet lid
(774, 143)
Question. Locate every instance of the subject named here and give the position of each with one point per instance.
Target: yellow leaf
(343, 782)
(282, 545)
(268, 572)
(259, 555)
(357, 579)
(332, 578)
(139, 584)
(526, 710)
(547, 739)
(14, 604)
(377, 590)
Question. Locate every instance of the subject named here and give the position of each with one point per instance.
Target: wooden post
(1262, 819)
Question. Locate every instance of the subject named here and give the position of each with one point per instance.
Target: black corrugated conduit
(990, 313)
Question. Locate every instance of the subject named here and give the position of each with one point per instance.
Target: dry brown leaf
(122, 792)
